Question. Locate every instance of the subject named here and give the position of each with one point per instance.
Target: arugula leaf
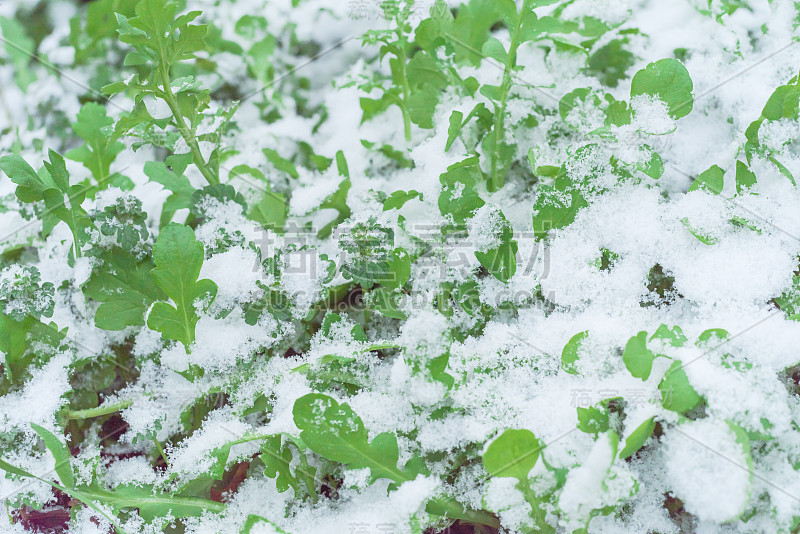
(555, 209)
(253, 520)
(744, 177)
(397, 199)
(178, 258)
(459, 197)
(51, 184)
(161, 40)
(126, 288)
(278, 458)
(638, 437)
(338, 199)
(610, 62)
(501, 261)
(15, 336)
(673, 335)
(60, 453)
(677, 394)
(710, 179)
(280, 163)
(669, 80)
(335, 432)
(592, 420)
(637, 357)
(20, 48)
(512, 454)
(100, 148)
(570, 353)
(180, 186)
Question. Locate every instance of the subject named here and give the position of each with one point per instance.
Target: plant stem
(499, 130)
(406, 89)
(186, 132)
(161, 451)
(105, 409)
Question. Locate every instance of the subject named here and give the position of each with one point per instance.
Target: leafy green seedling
(669, 80)
(178, 258)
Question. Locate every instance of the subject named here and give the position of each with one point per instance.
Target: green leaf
(637, 357)
(278, 461)
(459, 197)
(178, 258)
(99, 150)
(712, 334)
(336, 201)
(494, 49)
(610, 62)
(744, 177)
(182, 190)
(270, 212)
(421, 106)
(555, 209)
(592, 420)
(783, 103)
(335, 432)
(30, 186)
(710, 179)
(397, 199)
(253, 520)
(674, 336)
(637, 438)
(60, 453)
(570, 353)
(698, 233)
(126, 288)
(513, 454)
(280, 163)
(20, 48)
(669, 80)
(573, 99)
(677, 394)
(501, 261)
(151, 503)
(454, 130)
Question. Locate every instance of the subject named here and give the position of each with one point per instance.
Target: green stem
(536, 508)
(161, 451)
(186, 132)
(499, 129)
(105, 409)
(452, 509)
(404, 76)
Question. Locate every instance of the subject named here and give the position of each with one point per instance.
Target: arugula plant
(373, 311)
(160, 41)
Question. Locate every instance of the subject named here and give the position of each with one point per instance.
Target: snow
(244, 372)
(708, 470)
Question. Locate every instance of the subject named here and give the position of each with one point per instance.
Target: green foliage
(570, 354)
(512, 454)
(710, 180)
(637, 438)
(677, 394)
(125, 287)
(501, 260)
(22, 294)
(637, 357)
(100, 148)
(366, 295)
(178, 258)
(668, 80)
(161, 39)
(51, 185)
(335, 432)
(20, 48)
